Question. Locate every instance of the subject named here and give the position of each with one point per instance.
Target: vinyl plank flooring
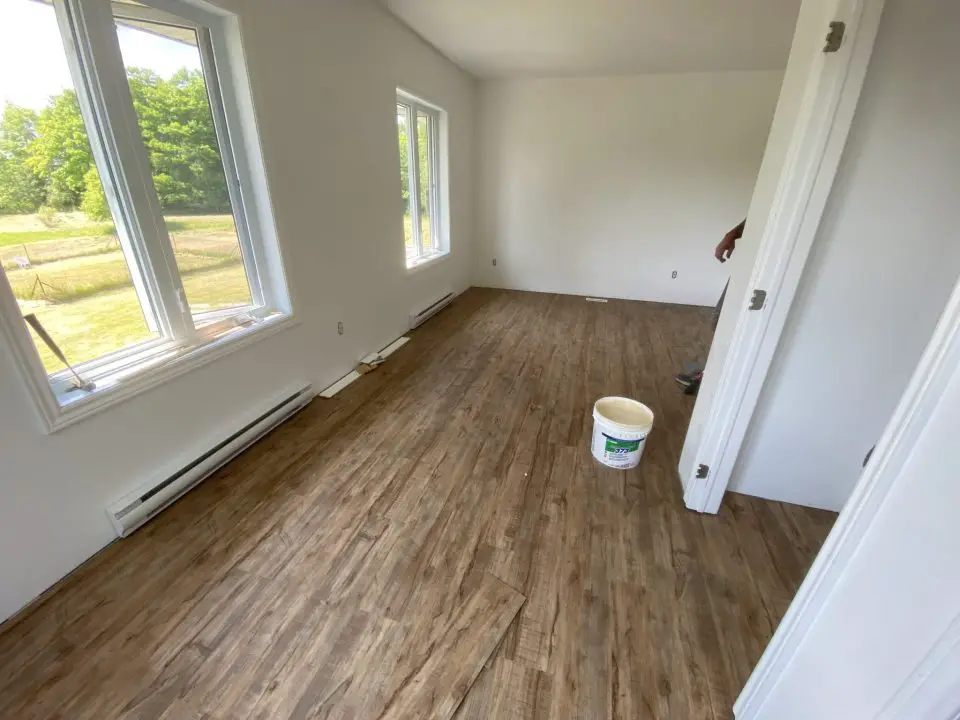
(508, 690)
(436, 542)
(439, 685)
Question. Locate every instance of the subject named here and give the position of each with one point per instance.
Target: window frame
(436, 194)
(91, 44)
(195, 20)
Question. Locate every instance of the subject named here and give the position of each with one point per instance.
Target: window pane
(58, 243)
(425, 165)
(403, 134)
(166, 78)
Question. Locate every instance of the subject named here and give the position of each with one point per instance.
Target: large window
(133, 228)
(418, 131)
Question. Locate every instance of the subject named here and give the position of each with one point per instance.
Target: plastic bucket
(620, 429)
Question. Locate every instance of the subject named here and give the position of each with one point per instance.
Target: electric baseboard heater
(136, 508)
(418, 318)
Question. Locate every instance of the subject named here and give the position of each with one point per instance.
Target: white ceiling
(497, 38)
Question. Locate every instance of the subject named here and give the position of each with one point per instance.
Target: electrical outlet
(494, 262)
(674, 275)
(339, 328)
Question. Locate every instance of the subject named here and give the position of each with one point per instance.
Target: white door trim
(819, 135)
(933, 683)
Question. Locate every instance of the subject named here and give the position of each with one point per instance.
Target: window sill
(69, 408)
(427, 261)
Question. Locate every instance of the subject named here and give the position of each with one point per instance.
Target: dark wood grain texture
(437, 542)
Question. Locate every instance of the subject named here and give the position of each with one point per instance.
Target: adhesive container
(620, 429)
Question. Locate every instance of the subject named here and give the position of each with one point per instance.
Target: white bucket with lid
(620, 429)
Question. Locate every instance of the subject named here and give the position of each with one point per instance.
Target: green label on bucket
(621, 447)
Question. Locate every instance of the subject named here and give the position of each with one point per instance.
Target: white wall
(605, 186)
(324, 78)
(884, 262)
(891, 622)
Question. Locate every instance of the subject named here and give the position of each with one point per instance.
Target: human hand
(726, 247)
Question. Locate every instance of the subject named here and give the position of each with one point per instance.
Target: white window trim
(438, 155)
(426, 261)
(86, 31)
(155, 371)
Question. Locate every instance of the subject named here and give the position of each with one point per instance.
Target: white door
(817, 100)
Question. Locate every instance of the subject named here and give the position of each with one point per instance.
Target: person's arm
(729, 243)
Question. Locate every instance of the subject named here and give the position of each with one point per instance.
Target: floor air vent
(419, 318)
(133, 510)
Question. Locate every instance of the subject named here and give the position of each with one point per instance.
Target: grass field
(74, 277)
(15, 231)
(77, 277)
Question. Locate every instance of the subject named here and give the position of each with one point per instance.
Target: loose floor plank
(436, 689)
(436, 541)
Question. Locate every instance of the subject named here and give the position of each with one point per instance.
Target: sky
(33, 64)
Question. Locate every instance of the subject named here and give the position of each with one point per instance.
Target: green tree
(94, 202)
(60, 153)
(423, 150)
(21, 190)
(404, 166)
(45, 158)
(178, 131)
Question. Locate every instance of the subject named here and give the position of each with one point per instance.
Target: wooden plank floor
(436, 541)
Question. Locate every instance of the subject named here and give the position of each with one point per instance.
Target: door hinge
(758, 299)
(702, 471)
(835, 36)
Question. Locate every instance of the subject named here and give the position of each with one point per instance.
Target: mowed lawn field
(73, 275)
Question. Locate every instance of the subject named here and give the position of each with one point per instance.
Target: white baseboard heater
(136, 508)
(418, 318)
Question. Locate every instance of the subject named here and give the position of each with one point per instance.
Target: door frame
(817, 139)
(931, 690)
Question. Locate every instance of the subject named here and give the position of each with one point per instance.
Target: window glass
(425, 177)
(171, 98)
(406, 180)
(59, 244)
(417, 128)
